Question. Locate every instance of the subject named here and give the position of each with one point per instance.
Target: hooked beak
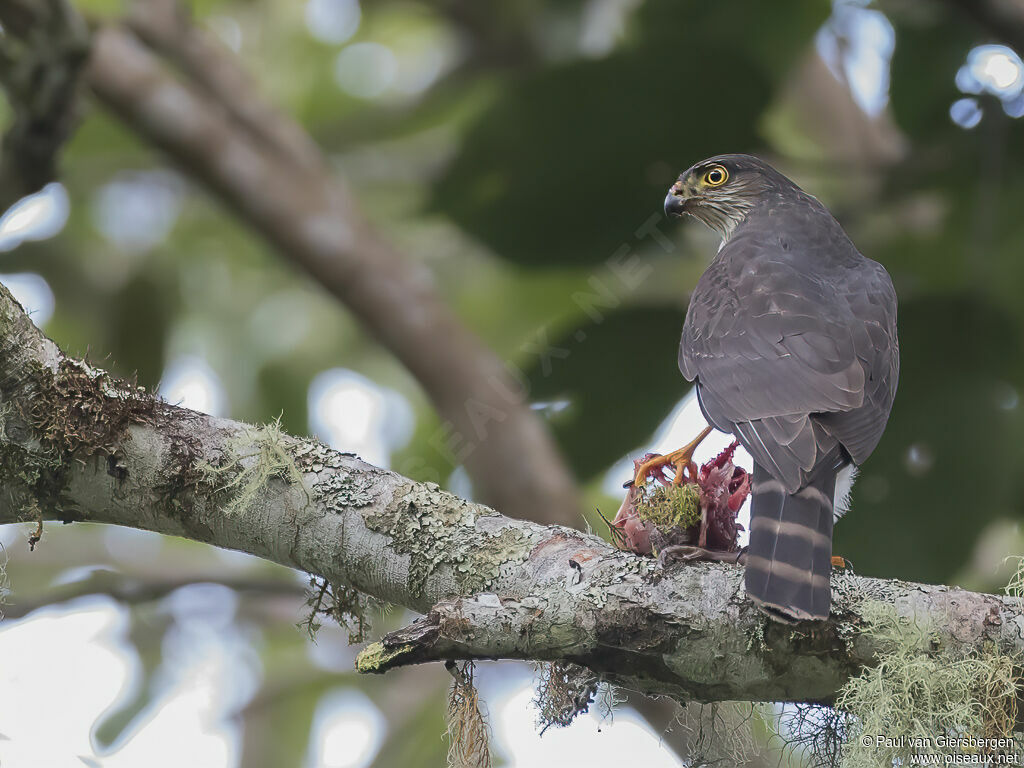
(675, 201)
(675, 205)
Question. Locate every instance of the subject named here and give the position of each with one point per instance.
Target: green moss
(374, 658)
(671, 506)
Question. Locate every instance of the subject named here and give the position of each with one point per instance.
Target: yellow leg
(679, 459)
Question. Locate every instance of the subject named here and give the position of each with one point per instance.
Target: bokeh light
(365, 70)
(332, 21)
(351, 413)
(33, 293)
(625, 740)
(857, 44)
(348, 730)
(996, 70)
(85, 665)
(36, 217)
(137, 210)
(966, 112)
(190, 382)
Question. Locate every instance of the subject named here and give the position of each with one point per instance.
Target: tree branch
(166, 27)
(78, 445)
(1002, 19)
(266, 170)
(130, 590)
(43, 47)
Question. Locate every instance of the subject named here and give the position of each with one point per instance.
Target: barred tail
(789, 560)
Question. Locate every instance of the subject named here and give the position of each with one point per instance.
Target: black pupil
(715, 176)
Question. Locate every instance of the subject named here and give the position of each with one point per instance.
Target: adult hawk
(790, 337)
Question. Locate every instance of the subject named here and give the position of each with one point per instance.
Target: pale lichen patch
(337, 491)
(340, 491)
(439, 530)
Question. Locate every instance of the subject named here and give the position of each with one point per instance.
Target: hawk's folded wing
(789, 360)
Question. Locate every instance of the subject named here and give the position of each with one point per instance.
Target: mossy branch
(77, 444)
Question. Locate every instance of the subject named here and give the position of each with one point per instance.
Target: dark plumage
(791, 339)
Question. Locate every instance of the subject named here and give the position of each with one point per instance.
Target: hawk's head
(721, 190)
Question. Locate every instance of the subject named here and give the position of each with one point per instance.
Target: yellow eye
(716, 176)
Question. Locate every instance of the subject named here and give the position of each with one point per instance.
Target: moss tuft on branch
(251, 460)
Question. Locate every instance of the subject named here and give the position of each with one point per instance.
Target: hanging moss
(563, 692)
(469, 733)
(921, 692)
(348, 607)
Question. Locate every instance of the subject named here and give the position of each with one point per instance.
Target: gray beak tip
(674, 205)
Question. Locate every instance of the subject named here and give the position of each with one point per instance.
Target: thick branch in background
(267, 170)
(43, 47)
(78, 445)
(1002, 19)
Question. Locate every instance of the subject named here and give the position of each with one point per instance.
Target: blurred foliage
(569, 159)
(513, 177)
(584, 371)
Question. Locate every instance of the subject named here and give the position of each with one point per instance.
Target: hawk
(790, 338)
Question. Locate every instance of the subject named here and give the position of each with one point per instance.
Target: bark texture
(78, 445)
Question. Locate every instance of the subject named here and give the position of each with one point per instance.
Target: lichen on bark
(440, 530)
(335, 491)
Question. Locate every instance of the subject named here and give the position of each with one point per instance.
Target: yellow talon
(680, 460)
